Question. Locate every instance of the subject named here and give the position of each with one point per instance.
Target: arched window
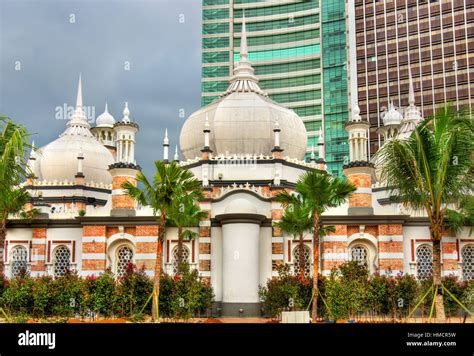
(186, 255)
(124, 258)
(19, 260)
(307, 260)
(360, 254)
(61, 260)
(424, 262)
(468, 262)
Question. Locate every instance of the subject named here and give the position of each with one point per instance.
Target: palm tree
(432, 170)
(321, 191)
(170, 181)
(13, 142)
(185, 212)
(295, 221)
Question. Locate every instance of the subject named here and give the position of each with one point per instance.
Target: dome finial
(176, 155)
(166, 145)
(312, 157)
(32, 152)
(126, 113)
(106, 107)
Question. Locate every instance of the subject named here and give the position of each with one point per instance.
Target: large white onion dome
(57, 161)
(241, 121)
(105, 119)
(392, 116)
(412, 115)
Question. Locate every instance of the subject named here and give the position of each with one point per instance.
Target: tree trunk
(439, 302)
(301, 261)
(314, 310)
(3, 234)
(180, 249)
(155, 309)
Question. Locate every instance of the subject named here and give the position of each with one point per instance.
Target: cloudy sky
(143, 52)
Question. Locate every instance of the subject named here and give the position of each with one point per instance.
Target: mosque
(245, 149)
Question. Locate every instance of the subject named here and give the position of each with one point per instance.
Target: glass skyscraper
(298, 50)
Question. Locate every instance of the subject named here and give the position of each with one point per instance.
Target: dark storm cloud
(161, 41)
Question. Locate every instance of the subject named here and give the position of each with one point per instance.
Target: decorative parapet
(232, 158)
(69, 183)
(262, 191)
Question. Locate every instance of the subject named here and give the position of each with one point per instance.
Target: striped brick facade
(277, 239)
(205, 245)
(94, 250)
(38, 251)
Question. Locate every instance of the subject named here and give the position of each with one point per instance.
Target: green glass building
(298, 50)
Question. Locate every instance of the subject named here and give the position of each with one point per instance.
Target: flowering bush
(132, 292)
(286, 292)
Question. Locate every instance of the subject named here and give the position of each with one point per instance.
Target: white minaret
(125, 132)
(358, 136)
(125, 167)
(166, 146)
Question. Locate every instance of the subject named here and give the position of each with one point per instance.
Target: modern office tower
(435, 39)
(298, 50)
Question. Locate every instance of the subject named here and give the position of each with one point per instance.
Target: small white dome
(392, 116)
(105, 119)
(240, 206)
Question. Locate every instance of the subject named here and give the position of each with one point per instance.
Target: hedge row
(351, 291)
(182, 296)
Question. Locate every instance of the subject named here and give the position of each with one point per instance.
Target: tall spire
(412, 114)
(78, 124)
(244, 79)
(79, 92)
(244, 51)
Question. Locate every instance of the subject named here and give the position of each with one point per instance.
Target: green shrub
(381, 295)
(286, 292)
(133, 291)
(457, 288)
(101, 295)
(43, 301)
(18, 296)
(406, 297)
(346, 290)
(184, 295)
(68, 295)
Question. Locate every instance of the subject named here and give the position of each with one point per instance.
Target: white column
(127, 145)
(132, 151)
(240, 262)
(119, 150)
(356, 158)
